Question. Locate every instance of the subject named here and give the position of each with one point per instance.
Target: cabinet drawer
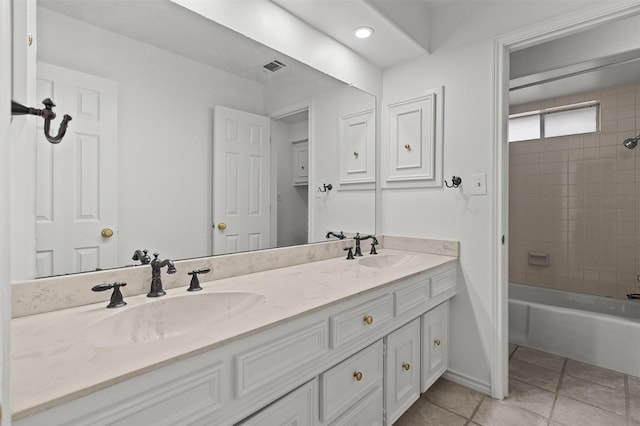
(412, 294)
(297, 408)
(263, 365)
(357, 323)
(346, 383)
(367, 411)
(443, 282)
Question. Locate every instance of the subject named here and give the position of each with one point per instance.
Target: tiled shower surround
(577, 199)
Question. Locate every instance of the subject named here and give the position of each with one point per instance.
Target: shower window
(557, 121)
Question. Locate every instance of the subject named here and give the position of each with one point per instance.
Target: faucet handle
(116, 297)
(350, 254)
(373, 247)
(195, 281)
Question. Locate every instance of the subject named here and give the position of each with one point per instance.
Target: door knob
(107, 233)
(222, 226)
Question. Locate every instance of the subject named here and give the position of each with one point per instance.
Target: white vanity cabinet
(360, 361)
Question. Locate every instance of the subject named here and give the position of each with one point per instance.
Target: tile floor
(544, 389)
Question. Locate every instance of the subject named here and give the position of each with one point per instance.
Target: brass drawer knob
(407, 147)
(437, 342)
(355, 154)
(357, 375)
(368, 319)
(406, 366)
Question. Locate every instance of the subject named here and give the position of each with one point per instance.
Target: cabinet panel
(435, 343)
(367, 412)
(295, 409)
(356, 323)
(347, 382)
(402, 370)
(262, 365)
(412, 295)
(443, 282)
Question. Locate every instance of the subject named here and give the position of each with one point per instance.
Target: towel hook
(455, 182)
(48, 115)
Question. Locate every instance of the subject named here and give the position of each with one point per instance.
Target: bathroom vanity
(330, 342)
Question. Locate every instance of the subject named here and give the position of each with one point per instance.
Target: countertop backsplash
(66, 291)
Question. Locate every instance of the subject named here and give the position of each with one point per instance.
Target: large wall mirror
(153, 88)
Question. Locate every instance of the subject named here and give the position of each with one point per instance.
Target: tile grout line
(557, 392)
(473, 414)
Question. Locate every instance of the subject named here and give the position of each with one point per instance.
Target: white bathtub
(597, 330)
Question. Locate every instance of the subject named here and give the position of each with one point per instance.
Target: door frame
(580, 20)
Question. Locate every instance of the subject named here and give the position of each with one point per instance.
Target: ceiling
(401, 33)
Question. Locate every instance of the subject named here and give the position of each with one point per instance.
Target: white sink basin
(169, 317)
(383, 261)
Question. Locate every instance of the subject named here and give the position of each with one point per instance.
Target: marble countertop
(55, 359)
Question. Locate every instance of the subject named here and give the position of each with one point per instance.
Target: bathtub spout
(633, 296)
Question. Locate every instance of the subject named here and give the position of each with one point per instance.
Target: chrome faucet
(156, 269)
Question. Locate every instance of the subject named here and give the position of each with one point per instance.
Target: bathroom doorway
(290, 153)
(567, 26)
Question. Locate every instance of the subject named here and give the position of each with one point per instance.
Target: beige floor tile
(530, 398)
(575, 413)
(594, 394)
(541, 359)
(424, 413)
(534, 375)
(602, 376)
(493, 412)
(454, 397)
(634, 385)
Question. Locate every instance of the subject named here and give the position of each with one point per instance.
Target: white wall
(461, 60)
(165, 105)
(5, 228)
(337, 210)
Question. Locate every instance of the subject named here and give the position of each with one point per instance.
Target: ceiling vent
(274, 65)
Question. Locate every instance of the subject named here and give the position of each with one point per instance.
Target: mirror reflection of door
(241, 181)
(76, 187)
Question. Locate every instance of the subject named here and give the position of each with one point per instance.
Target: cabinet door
(402, 370)
(294, 409)
(435, 330)
(301, 163)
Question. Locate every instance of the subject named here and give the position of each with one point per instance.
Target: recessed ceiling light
(363, 32)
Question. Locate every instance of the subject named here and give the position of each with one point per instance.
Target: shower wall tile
(577, 198)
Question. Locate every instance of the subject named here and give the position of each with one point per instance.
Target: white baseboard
(468, 382)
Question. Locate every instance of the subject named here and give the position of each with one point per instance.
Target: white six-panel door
(241, 181)
(76, 188)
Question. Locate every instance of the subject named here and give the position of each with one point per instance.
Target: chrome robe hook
(48, 115)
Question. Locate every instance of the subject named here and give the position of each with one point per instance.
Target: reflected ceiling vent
(274, 65)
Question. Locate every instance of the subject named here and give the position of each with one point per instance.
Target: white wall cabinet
(300, 165)
(351, 363)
